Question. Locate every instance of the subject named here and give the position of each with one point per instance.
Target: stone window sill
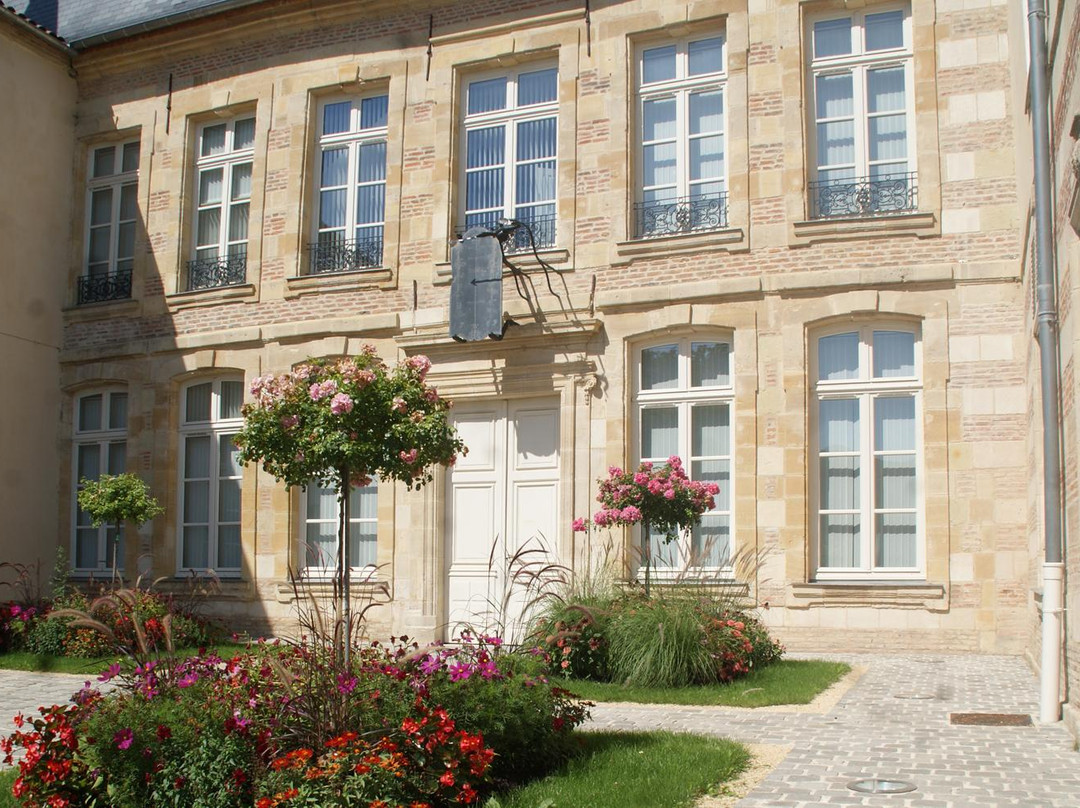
(731, 239)
(898, 594)
(525, 261)
(376, 277)
(363, 589)
(84, 312)
(900, 224)
(209, 297)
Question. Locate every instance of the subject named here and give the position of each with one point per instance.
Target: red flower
(447, 779)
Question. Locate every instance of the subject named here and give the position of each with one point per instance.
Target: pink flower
(112, 671)
(123, 739)
(341, 404)
(420, 363)
(580, 525)
(359, 481)
(669, 493)
(431, 395)
(321, 390)
(408, 457)
(630, 514)
(399, 404)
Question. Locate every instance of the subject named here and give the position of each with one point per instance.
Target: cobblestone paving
(895, 723)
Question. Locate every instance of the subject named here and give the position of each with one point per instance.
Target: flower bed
(399, 726)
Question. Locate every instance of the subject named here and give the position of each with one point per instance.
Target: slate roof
(80, 20)
(46, 32)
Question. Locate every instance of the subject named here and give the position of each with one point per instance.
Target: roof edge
(158, 23)
(39, 32)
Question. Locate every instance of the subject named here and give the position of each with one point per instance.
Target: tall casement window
(681, 115)
(112, 212)
(223, 195)
(510, 138)
(867, 430)
(100, 447)
(320, 528)
(210, 476)
(862, 132)
(352, 185)
(683, 404)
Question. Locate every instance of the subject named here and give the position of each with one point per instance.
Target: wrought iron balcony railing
(543, 230)
(210, 273)
(345, 255)
(111, 286)
(683, 215)
(864, 196)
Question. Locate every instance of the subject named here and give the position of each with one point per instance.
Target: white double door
(502, 514)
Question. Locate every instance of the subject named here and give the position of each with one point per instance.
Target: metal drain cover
(881, 785)
(991, 719)
(916, 696)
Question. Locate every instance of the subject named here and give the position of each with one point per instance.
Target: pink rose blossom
(321, 390)
(669, 493)
(409, 457)
(341, 404)
(420, 363)
(399, 404)
(580, 525)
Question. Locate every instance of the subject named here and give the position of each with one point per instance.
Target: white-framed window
(319, 529)
(210, 476)
(681, 140)
(866, 431)
(100, 447)
(352, 184)
(223, 165)
(112, 188)
(510, 142)
(862, 113)
(684, 396)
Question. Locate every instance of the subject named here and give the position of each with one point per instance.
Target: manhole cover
(918, 696)
(881, 785)
(991, 719)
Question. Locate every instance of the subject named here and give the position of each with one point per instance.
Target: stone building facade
(785, 242)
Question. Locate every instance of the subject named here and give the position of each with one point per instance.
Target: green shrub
(659, 644)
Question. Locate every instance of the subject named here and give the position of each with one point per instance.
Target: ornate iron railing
(210, 273)
(864, 196)
(345, 255)
(683, 215)
(112, 286)
(543, 230)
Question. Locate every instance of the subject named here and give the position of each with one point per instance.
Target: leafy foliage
(116, 498)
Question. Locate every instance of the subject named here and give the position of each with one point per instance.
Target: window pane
(362, 544)
(840, 540)
(486, 96)
(885, 31)
(894, 423)
(88, 462)
(372, 166)
(197, 501)
(117, 457)
(706, 56)
(104, 161)
(659, 164)
(839, 425)
(664, 554)
(536, 182)
(241, 182)
(198, 402)
(229, 501)
(99, 246)
(229, 556)
(484, 190)
(89, 413)
(895, 481)
(710, 430)
(885, 90)
(211, 185)
(538, 87)
(321, 502)
(707, 157)
(118, 410)
(660, 367)
(244, 134)
(834, 96)
(336, 117)
(836, 143)
(832, 38)
(196, 547)
(228, 462)
(659, 432)
(658, 119)
(128, 202)
(238, 224)
(485, 147)
(658, 64)
(335, 167)
(840, 483)
(101, 207)
(232, 396)
(332, 208)
(894, 354)
(895, 540)
(706, 112)
(710, 364)
(321, 544)
(131, 157)
(213, 140)
(197, 457)
(363, 502)
(838, 357)
(369, 204)
(714, 471)
(536, 139)
(711, 541)
(374, 112)
(888, 139)
(86, 548)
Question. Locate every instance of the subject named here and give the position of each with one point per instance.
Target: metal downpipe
(1047, 335)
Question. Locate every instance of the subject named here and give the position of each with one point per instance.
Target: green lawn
(789, 681)
(633, 770)
(26, 661)
(7, 780)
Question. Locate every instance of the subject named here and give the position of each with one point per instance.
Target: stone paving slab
(894, 722)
